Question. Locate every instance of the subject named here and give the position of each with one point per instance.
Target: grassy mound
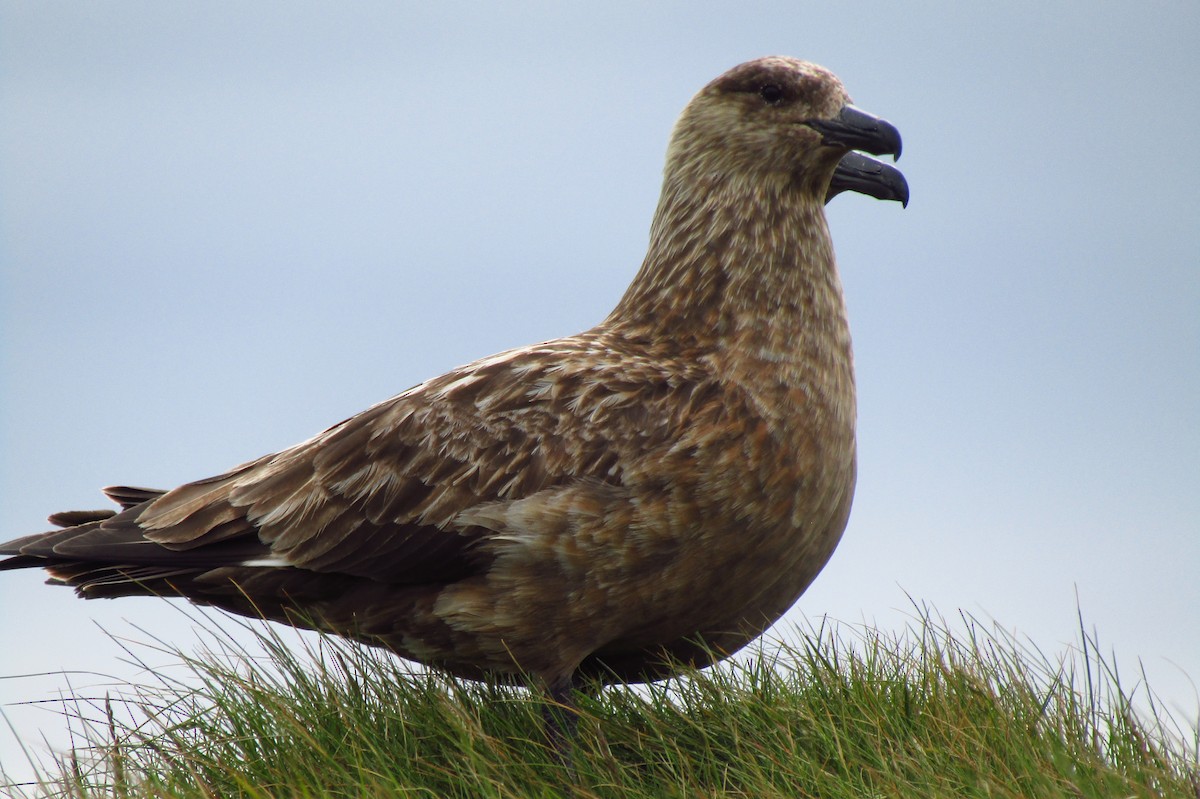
(848, 712)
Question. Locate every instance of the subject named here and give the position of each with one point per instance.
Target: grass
(848, 712)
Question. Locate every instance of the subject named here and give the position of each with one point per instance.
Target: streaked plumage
(666, 483)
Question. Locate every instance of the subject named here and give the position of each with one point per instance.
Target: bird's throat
(746, 272)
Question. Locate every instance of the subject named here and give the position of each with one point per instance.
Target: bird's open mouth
(858, 130)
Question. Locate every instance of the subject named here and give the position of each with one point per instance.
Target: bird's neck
(743, 273)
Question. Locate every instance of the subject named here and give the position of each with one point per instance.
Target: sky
(224, 227)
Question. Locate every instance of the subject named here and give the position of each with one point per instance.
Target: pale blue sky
(224, 227)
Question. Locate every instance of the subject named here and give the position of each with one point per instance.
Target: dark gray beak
(857, 172)
(858, 130)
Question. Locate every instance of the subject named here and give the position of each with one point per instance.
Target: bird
(612, 506)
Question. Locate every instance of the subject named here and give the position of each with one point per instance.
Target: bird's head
(774, 120)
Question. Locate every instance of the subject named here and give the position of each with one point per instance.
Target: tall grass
(847, 712)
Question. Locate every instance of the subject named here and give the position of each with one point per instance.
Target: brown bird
(657, 489)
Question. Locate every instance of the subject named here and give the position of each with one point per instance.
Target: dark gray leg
(561, 718)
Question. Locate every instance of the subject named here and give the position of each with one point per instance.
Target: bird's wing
(388, 494)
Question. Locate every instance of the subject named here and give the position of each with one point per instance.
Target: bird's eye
(772, 93)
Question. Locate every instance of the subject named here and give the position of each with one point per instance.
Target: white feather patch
(266, 563)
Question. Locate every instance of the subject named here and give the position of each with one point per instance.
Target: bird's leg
(561, 718)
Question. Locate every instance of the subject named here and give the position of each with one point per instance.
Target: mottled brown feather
(665, 484)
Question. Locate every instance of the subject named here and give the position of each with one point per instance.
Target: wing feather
(389, 494)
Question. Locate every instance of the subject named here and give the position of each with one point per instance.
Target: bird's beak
(857, 172)
(858, 130)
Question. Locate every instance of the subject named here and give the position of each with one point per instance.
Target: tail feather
(96, 581)
(129, 496)
(74, 518)
(100, 559)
